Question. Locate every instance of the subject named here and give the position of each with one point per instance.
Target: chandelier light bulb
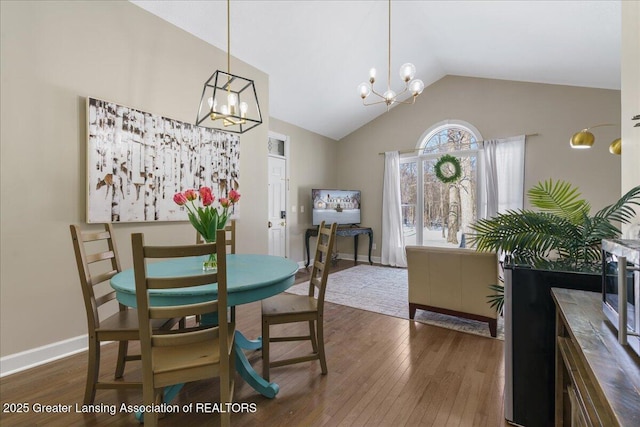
(212, 103)
(244, 107)
(232, 99)
(372, 75)
(224, 110)
(416, 87)
(389, 96)
(364, 90)
(407, 71)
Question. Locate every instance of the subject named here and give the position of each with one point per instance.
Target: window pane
(450, 139)
(408, 199)
(449, 209)
(442, 207)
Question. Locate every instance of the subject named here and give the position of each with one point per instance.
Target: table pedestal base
(243, 367)
(246, 371)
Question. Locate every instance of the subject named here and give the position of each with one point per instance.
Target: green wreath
(444, 173)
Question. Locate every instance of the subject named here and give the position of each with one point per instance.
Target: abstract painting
(137, 161)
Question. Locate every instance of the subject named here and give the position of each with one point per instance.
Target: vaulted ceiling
(316, 53)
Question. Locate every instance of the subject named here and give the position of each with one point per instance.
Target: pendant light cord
(389, 58)
(228, 37)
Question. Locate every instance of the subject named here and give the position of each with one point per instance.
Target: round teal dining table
(250, 278)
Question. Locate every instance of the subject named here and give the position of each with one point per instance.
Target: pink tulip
(224, 202)
(206, 196)
(191, 195)
(204, 191)
(234, 196)
(180, 199)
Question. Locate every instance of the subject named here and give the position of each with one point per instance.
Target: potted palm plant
(561, 234)
(556, 245)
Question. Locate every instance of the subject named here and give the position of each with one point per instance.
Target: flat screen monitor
(331, 205)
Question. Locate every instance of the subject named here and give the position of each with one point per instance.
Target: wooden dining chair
(229, 239)
(97, 260)
(189, 354)
(289, 308)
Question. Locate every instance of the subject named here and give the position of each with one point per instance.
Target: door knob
(270, 224)
(283, 223)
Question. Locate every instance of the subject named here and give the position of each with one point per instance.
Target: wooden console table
(345, 231)
(597, 379)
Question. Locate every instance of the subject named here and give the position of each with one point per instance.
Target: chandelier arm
(406, 87)
(373, 91)
(373, 103)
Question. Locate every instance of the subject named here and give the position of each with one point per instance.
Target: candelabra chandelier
(389, 97)
(229, 102)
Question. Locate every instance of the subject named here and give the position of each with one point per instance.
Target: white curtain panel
(504, 175)
(491, 178)
(392, 237)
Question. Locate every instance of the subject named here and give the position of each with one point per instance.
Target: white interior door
(277, 205)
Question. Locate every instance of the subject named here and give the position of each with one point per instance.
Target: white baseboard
(348, 257)
(18, 362)
(24, 360)
(361, 258)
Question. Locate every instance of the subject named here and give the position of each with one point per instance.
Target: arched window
(438, 208)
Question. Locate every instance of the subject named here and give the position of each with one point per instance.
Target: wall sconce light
(585, 139)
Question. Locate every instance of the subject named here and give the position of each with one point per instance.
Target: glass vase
(211, 263)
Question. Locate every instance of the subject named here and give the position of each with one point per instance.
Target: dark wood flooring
(383, 371)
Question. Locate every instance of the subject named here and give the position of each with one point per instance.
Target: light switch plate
(301, 208)
(293, 208)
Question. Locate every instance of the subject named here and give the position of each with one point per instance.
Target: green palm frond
(497, 300)
(559, 198)
(527, 235)
(561, 234)
(622, 210)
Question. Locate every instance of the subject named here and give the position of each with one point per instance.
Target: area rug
(384, 290)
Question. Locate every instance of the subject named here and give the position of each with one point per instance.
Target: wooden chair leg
(93, 369)
(265, 349)
(312, 334)
(323, 360)
(151, 397)
(122, 355)
(225, 397)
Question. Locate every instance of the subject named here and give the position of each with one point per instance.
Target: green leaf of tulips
(196, 224)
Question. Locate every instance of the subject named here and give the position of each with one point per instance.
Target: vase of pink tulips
(207, 219)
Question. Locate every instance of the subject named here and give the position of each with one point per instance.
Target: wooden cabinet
(597, 379)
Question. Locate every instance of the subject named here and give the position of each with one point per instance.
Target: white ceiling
(317, 52)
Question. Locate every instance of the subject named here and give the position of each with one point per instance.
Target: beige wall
(54, 54)
(312, 159)
(497, 109)
(630, 68)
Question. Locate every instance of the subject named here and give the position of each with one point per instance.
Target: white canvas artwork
(137, 161)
